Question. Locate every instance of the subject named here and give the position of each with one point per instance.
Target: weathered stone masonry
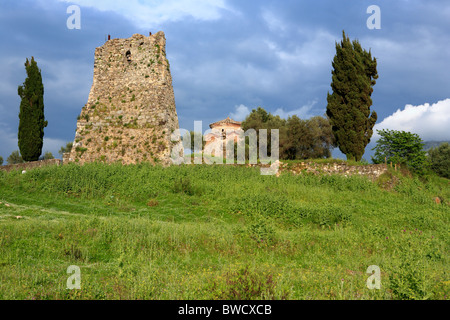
(130, 113)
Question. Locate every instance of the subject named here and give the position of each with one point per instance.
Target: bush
(409, 281)
(184, 185)
(440, 160)
(400, 147)
(409, 274)
(66, 149)
(246, 283)
(1, 160)
(15, 158)
(261, 230)
(47, 156)
(330, 216)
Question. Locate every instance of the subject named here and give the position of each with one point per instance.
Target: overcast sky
(228, 57)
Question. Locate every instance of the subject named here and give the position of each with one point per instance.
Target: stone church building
(221, 133)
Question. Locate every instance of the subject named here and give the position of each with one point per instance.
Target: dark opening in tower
(128, 55)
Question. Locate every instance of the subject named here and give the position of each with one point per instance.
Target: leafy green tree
(400, 147)
(353, 77)
(322, 139)
(15, 158)
(65, 149)
(1, 160)
(31, 116)
(257, 119)
(439, 159)
(299, 139)
(290, 138)
(261, 119)
(306, 139)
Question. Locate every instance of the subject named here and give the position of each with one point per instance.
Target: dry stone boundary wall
(31, 165)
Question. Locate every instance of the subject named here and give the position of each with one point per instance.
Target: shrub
(184, 185)
(261, 230)
(329, 216)
(48, 156)
(440, 160)
(245, 284)
(80, 149)
(15, 158)
(408, 281)
(400, 147)
(408, 278)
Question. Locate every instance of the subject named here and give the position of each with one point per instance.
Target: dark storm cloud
(65, 57)
(226, 56)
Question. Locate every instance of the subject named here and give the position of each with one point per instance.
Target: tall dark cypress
(353, 77)
(31, 116)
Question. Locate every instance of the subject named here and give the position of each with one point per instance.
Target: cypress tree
(31, 116)
(353, 77)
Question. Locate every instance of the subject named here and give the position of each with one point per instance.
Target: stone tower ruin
(130, 114)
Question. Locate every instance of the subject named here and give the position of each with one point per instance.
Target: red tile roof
(222, 122)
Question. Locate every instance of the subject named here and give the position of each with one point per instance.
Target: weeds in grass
(246, 283)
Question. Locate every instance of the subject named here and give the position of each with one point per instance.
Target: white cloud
(150, 13)
(241, 112)
(430, 122)
(302, 112)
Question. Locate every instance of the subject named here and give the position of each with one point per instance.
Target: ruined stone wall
(31, 165)
(130, 113)
(372, 171)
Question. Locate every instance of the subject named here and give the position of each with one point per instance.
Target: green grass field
(220, 232)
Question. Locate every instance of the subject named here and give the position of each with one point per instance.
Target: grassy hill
(220, 232)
